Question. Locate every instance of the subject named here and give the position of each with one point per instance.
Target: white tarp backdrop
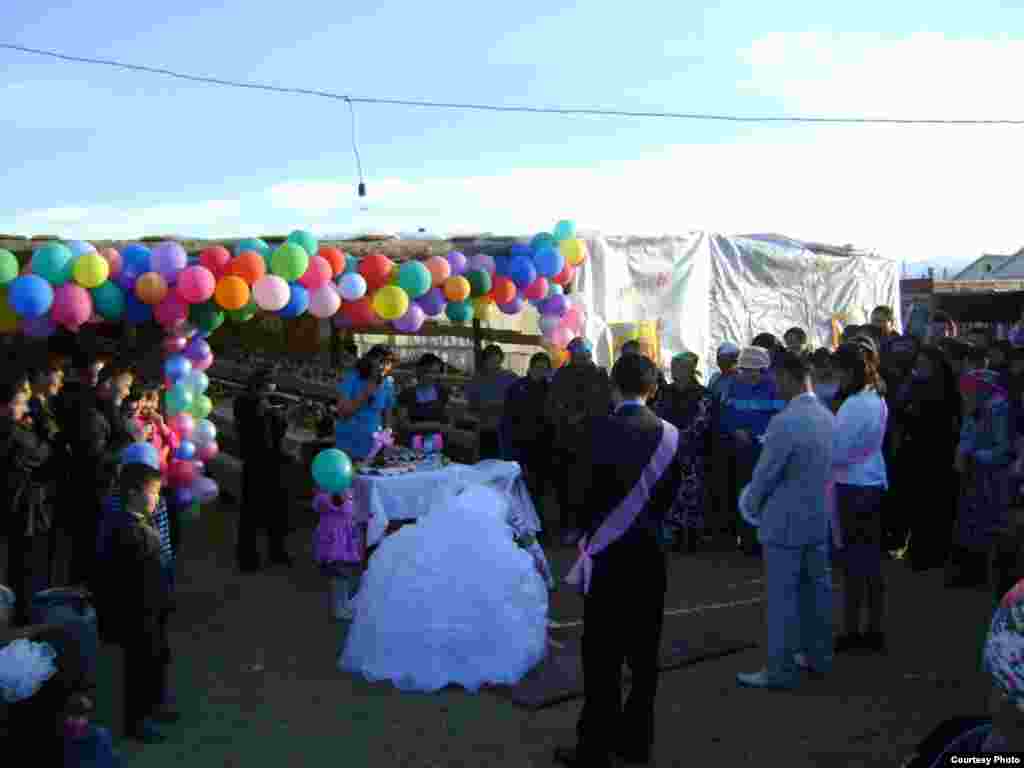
(706, 289)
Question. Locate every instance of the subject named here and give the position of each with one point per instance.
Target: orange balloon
(248, 265)
(457, 288)
(232, 292)
(376, 270)
(334, 257)
(150, 288)
(440, 269)
(503, 290)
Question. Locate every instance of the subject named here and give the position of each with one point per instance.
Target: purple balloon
(433, 302)
(183, 497)
(169, 259)
(38, 327)
(198, 349)
(514, 307)
(458, 262)
(411, 321)
(556, 305)
(483, 262)
(126, 280)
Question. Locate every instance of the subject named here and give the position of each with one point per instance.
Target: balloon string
(355, 145)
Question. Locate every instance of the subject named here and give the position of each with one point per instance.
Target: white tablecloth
(380, 500)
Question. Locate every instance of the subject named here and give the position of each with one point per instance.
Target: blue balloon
(141, 453)
(519, 249)
(522, 272)
(137, 258)
(297, 304)
(135, 312)
(565, 230)
(549, 261)
(30, 296)
(186, 450)
(351, 265)
(252, 244)
(177, 367)
(183, 497)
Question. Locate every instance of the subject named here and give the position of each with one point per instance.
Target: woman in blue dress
(366, 397)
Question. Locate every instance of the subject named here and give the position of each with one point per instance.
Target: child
(133, 593)
(339, 548)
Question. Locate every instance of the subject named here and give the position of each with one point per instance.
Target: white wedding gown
(450, 600)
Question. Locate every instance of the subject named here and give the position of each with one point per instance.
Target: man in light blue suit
(787, 501)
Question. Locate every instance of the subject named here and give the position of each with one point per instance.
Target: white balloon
(205, 432)
(352, 286)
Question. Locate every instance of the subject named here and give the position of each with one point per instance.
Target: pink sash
(858, 457)
(625, 514)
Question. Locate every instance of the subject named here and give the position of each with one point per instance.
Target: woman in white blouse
(860, 481)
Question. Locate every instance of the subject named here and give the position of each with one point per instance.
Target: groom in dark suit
(622, 571)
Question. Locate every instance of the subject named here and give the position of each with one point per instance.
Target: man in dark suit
(636, 477)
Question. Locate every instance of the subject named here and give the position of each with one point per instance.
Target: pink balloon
(183, 424)
(317, 273)
(113, 258)
(271, 293)
(324, 302)
(196, 285)
(175, 345)
(170, 311)
(561, 337)
(203, 364)
(72, 305)
(209, 451)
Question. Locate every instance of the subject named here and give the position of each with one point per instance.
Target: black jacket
(23, 457)
(261, 429)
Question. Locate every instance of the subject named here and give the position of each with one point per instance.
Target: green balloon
(304, 240)
(178, 399)
(245, 314)
(479, 283)
(201, 407)
(252, 244)
(332, 470)
(207, 317)
(290, 262)
(459, 311)
(8, 266)
(108, 299)
(53, 263)
(415, 279)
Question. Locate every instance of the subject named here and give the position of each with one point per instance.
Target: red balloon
(538, 289)
(317, 273)
(565, 276)
(503, 290)
(376, 269)
(181, 473)
(333, 256)
(361, 313)
(216, 259)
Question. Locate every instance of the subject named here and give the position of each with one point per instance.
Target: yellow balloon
(91, 270)
(390, 302)
(483, 307)
(573, 251)
(8, 317)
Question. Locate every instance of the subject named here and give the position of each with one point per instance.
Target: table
(383, 500)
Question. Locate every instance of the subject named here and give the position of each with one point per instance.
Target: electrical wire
(570, 111)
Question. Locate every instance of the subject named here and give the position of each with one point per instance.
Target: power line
(573, 111)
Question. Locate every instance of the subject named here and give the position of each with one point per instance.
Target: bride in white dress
(453, 599)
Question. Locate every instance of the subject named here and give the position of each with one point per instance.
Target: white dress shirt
(856, 430)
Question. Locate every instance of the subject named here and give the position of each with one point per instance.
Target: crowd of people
(736, 462)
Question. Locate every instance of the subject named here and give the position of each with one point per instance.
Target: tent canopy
(705, 288)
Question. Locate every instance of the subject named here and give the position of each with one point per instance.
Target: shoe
(805, 666)
(852, 641)
(764, 680)
(146, 732)
(633, 758)
(282, 558)
(166, 716)
(570, 757)
(875, 642)
(250, 566)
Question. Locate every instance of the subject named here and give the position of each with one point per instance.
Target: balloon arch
(71, 284)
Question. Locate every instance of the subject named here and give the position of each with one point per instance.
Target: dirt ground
(255, 678)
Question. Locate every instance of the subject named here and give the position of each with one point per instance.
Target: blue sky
(95, 152)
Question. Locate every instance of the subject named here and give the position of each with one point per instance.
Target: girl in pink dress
(339, 548)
